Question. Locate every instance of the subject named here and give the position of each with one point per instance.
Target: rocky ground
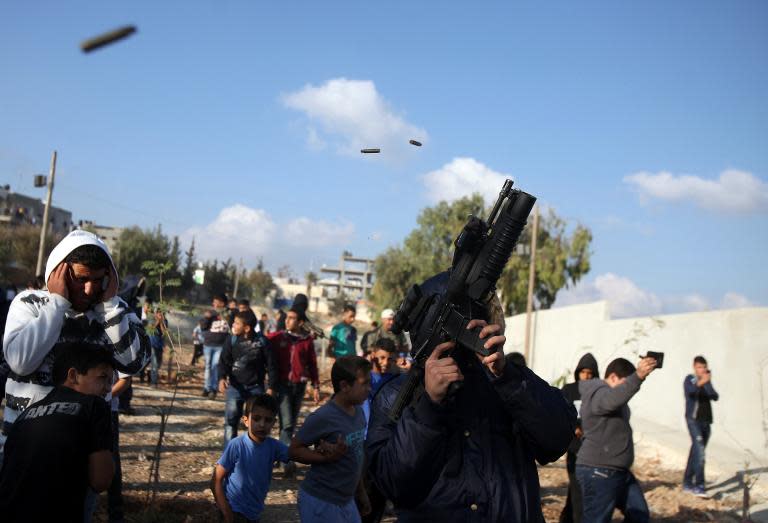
(193, 441)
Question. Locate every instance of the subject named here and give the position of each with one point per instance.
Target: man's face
(292, 322)
(238, 327)
(85, 286)
(217, 304)
(586, 374)
(387, 323)
(97, 381)
(348, 317)
(259, 422)
(358, 392)
(383, 360)
(614, 381)
(700, 369)
(232, 304)
(242, 307)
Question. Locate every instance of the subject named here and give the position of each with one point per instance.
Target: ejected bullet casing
(107, 38)
(415, 142)
(368, 151)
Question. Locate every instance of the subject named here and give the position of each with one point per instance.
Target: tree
(135, 246)
(260, 282)
(561, 261)
(187, 276)
(426, 251)
(312, 279)
(18, 246)
(218, 278)
(561, 258)
(157, 274)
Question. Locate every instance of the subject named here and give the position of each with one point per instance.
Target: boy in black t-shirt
(60, 446)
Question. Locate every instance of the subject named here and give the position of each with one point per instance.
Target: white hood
(72, 241)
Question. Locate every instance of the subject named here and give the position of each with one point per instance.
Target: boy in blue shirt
(383, 358)
(327, 494)
(243, 473)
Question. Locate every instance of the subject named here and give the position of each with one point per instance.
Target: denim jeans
(233, 411)
(694, 470)
(211, 380)
(316, 510)
(289, 397)
(604, 489)
(155, 364)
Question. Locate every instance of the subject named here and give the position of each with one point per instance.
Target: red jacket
(295, 357)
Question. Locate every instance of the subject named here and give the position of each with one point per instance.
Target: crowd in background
(454, 453)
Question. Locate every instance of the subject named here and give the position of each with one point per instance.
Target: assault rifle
(482, 250)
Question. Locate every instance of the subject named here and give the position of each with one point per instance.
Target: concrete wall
(735, 342)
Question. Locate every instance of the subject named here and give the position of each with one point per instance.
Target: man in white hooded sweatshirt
(81, 304)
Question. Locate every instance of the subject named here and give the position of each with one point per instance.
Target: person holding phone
(80, 306)
(699, 395)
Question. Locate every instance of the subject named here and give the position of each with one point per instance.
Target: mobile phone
(658, 356)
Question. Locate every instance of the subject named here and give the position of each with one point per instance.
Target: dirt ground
(193, 443)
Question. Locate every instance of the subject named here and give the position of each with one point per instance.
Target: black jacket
(473, 458)
(572, 395)
(246, 362)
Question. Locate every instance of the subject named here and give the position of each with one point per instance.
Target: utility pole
(531, 281)
(237, 278)
(44, 228)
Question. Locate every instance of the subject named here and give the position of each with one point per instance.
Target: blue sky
(234, 122)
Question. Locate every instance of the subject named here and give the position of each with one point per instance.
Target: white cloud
(353, 115)
(626, 299)
(303, 232)
(240, 231)
(463, 177)
(732, 192)
(734, 300)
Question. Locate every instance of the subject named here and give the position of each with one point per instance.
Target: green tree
(158, 274)
(260, 282)
(426, 251)
(187, 275)
(562, 256)
(18, 251)
(562, 259)
(218, 277)
(312, 280)
(135, 246)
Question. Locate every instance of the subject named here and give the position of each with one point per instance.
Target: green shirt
(344, 339)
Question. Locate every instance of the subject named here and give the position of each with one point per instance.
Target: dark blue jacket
(471, 459)
(696, 396)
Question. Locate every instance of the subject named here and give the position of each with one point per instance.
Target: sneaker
(699, 492)
(688, 489)
(205, 393)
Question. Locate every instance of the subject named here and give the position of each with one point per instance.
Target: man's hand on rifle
(495, 341)
(439, 373)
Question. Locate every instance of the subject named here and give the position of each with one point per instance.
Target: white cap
(387, 313)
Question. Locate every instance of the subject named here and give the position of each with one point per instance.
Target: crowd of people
(465, 452)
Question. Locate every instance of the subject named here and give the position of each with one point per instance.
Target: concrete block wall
(735, 342)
